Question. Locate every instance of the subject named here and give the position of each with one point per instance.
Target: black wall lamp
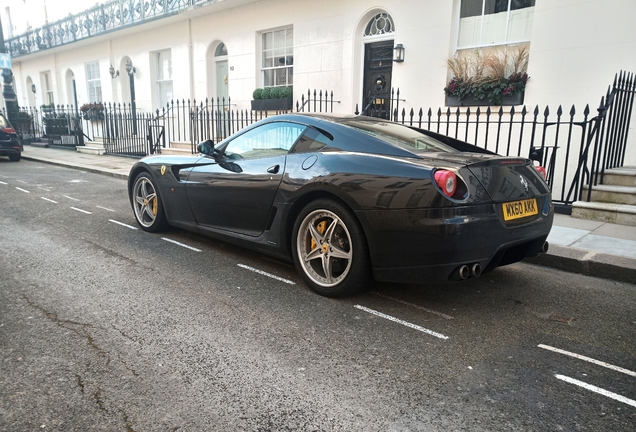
(398, 53)
(130, 68)
(33, 88)
(113, 73)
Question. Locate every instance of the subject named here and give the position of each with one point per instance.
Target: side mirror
(206, 147)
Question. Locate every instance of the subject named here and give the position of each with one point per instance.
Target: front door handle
(274, 169)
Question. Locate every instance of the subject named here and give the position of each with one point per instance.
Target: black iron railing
(575, 148)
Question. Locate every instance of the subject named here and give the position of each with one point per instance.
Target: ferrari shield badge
(163, 169)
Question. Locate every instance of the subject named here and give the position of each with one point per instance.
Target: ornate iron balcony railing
(103, 18)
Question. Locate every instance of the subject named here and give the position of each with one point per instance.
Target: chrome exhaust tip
(476, 270)
(460, 273)
(545, 247)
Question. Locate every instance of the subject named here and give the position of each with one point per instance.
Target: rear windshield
(400, 136)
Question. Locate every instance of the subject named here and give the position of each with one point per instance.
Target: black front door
(378, 66)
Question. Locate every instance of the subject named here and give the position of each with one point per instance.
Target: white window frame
(93, 82)
(48, 88)
(481, 43)
(163, 74)
(271, 52)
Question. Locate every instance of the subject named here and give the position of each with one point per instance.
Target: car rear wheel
(330, 249)
(147, 204)
(14, 157)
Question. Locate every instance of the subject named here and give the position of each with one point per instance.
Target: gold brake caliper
(321, 228)
(154, 206)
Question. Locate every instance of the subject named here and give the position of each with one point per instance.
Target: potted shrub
(272, 98)
(92, 111)
(23, 120)
(497, 78)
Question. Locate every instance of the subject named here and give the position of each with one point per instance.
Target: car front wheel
(330, 250)
(147, 204)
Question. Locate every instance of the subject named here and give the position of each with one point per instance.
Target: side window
(311, 141)
(272, 139)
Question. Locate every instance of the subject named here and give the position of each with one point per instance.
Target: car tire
(147, 204)
(330, 249)
(15, 157)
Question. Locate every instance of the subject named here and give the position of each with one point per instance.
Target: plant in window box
(272, 98)
(497, 78)
(92, 111)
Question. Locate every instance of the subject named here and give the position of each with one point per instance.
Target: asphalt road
(106, 327)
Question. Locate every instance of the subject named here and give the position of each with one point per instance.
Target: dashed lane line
(23, 190)
(261, 272)
(598, 390)
(588, 359)
(434, 312)
(122, 224)
(180, 244)
(107, 209)
(1, 182)
(81, 211)
(71, 198)
(49, 200)
(399, 321)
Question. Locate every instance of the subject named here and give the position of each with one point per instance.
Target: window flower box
(273, 99)
(507, 100)
(493, 79)
(272, 104)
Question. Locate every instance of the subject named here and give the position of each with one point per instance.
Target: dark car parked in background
(347, 198)
(9, 143)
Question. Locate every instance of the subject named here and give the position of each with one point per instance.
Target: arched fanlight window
(221, 50)
(380, 24)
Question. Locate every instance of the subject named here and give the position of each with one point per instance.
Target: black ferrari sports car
(352, 198)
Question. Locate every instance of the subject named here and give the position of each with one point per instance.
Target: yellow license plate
(520, 209)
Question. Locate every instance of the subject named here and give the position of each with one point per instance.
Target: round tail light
(447, 181)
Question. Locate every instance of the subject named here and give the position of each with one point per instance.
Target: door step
(623, 214)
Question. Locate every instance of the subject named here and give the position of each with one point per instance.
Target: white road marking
(122, 224)
(443, 315)
(588, 359)
(399, 321)
(1, 182)
(44, 189)
(261, 272)
(49, 200)
(104, 208)
(23, 190)
(22, 181)
(80, 210)
(71, 198)
(598, 390)
(181, 244)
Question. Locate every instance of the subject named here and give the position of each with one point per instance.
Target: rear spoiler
(462, 146)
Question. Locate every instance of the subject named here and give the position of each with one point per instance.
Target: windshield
(400, 136)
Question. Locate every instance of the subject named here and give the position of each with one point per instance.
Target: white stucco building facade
(219, 48)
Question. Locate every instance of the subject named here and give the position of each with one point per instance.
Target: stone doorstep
(623, 214)
(176, 151)
(91, 150)
(612, 194)
(620, 177)
(180, 145)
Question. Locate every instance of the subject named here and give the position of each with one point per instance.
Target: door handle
(274, 169)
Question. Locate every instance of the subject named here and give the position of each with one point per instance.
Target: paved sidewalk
(581, 246)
